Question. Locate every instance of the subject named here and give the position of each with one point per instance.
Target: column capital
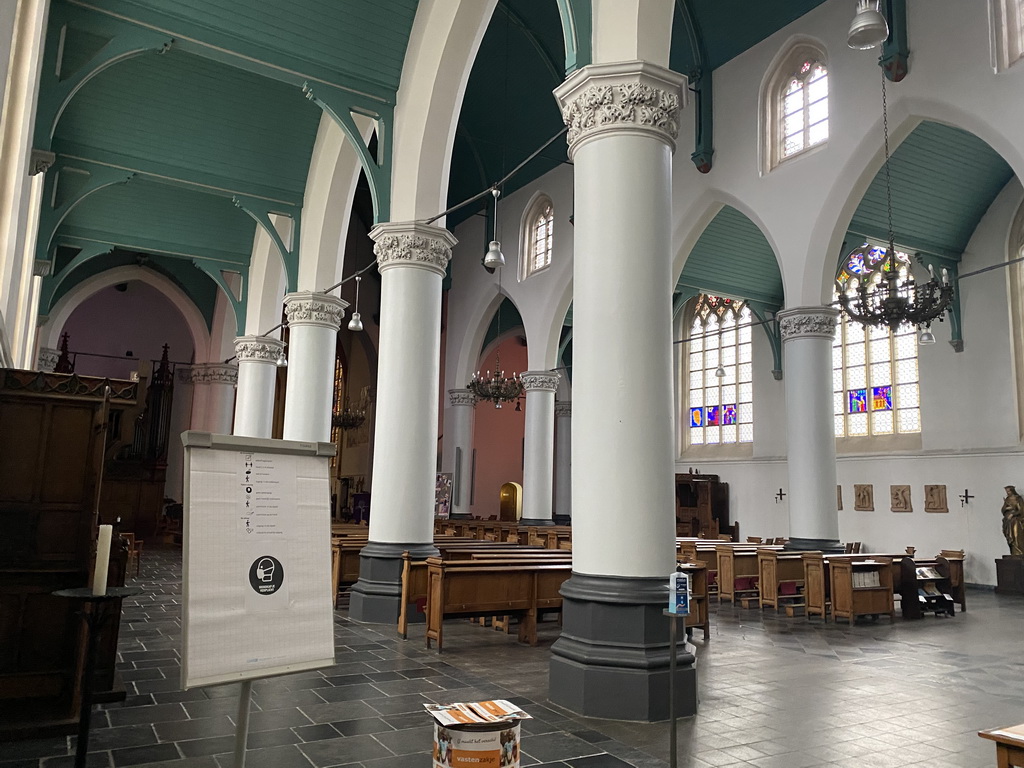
(260, 349)
(626, 97)
(412, 244)
(563, 408)
(310, 308)
(40, 161)
(540, 381)
(214, 373)
(461, 397)
(48, 358)
(808, 322)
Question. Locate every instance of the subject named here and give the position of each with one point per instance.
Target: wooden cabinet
(702, 506)
(925, 587)
(861, 588)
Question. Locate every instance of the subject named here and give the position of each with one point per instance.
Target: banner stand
(256, 576)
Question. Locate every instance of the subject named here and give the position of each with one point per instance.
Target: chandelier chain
(888, 176)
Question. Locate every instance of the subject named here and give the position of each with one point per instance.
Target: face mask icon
(265, 569)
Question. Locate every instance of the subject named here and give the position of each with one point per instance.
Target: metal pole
(93, 618)
(242, 723)
(672, 691)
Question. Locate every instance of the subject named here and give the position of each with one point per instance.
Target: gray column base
(612, 659)
(534, 521)
(563, 519)
(377, 597)
(829, 546)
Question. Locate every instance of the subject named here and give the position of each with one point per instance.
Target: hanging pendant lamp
(355, 324)
(869, 28)
(494, 257)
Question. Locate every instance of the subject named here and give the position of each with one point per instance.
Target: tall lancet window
(720, 400)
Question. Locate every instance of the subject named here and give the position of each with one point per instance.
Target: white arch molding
(49, 333)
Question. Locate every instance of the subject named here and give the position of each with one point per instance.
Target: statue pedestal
(1010, 575)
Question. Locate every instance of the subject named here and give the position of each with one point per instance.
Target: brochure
(476, 713)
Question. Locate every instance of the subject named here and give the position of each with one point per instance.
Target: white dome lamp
(927, 337)
(355, 324)
(869, 28)
(494, 257)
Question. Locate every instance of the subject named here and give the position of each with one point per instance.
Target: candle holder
(95, 613)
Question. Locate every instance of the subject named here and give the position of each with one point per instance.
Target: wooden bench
(780, 579)
(492, 588)
(738, 573)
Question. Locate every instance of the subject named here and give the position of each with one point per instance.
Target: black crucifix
(965, 497)
(779, 496)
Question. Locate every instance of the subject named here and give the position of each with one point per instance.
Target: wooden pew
(850, 599)
(737, 572)
(490, 588)
(818, 578)
(780, 579)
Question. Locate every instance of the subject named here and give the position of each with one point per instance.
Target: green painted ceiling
(145, 215)
(227, 128)
(196, 285)
(359, 44)
(732, 257)
(943, 181)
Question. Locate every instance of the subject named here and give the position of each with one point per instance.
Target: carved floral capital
(461, 397)
(214, 373)
(563, 408)
(539, 381)
(808, 322)
(308, 308)
(48, 359)
(410, 244)
(630, 96)
(258, 349)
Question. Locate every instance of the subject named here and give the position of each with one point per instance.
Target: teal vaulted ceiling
(179, 126)
(733, 258)
(943, 181)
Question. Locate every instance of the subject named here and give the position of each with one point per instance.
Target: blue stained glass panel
(875, 255)
(881, 398)
(858, 400)
(696, 417)
(728, 415)
(713, 415)
(856, 264)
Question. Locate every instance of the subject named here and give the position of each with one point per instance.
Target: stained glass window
(539, 236)
(874, 371)
(1009, 32)
(721, 407)
(804, 112)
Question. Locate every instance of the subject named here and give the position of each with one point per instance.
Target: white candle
(99, 575)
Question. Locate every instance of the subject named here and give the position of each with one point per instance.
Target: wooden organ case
(702, 506)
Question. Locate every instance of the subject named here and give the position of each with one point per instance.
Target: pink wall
(498, 436)
(140, 319)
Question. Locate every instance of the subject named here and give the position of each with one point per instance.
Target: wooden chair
(134, 553)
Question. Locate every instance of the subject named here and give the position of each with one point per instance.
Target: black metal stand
(95, 614)
(673, 639)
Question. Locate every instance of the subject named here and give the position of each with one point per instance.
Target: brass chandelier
(890, 303)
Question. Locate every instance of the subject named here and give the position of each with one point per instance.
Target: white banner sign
(257, 559)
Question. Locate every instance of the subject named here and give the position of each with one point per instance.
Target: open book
(476, 713)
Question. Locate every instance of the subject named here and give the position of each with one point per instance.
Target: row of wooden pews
(549, 536)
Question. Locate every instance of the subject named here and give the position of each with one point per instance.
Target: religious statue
(1013, 520)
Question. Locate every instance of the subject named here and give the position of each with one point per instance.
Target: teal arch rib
(214, 270)
(339, 106)
(125, 41)
(52, 282)
(577, 32)
(260, 211)
(895, 58)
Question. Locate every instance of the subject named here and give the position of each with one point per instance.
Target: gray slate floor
(774, 692)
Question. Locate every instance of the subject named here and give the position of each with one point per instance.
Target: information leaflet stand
(256, 578)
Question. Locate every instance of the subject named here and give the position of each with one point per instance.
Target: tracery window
(875, 383)
(804, 108)
(538, 236)
(720, 392)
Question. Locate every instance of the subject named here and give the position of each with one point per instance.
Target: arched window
(875, 385)
(1007, 32)
(537, 237)
(720, 393)
(795, 104)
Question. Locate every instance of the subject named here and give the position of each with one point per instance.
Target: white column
(539, 447)
(213, 397)
(462, 404)
(807, 336)
(181, 414)
(563, 462)
(611, 659)
(47, 359)
(622, 130)
(313, 323)
(257, 381)
(412, 258)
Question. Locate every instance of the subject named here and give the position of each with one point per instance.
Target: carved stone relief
(899, 496)
(935, 498)
(864, 498)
